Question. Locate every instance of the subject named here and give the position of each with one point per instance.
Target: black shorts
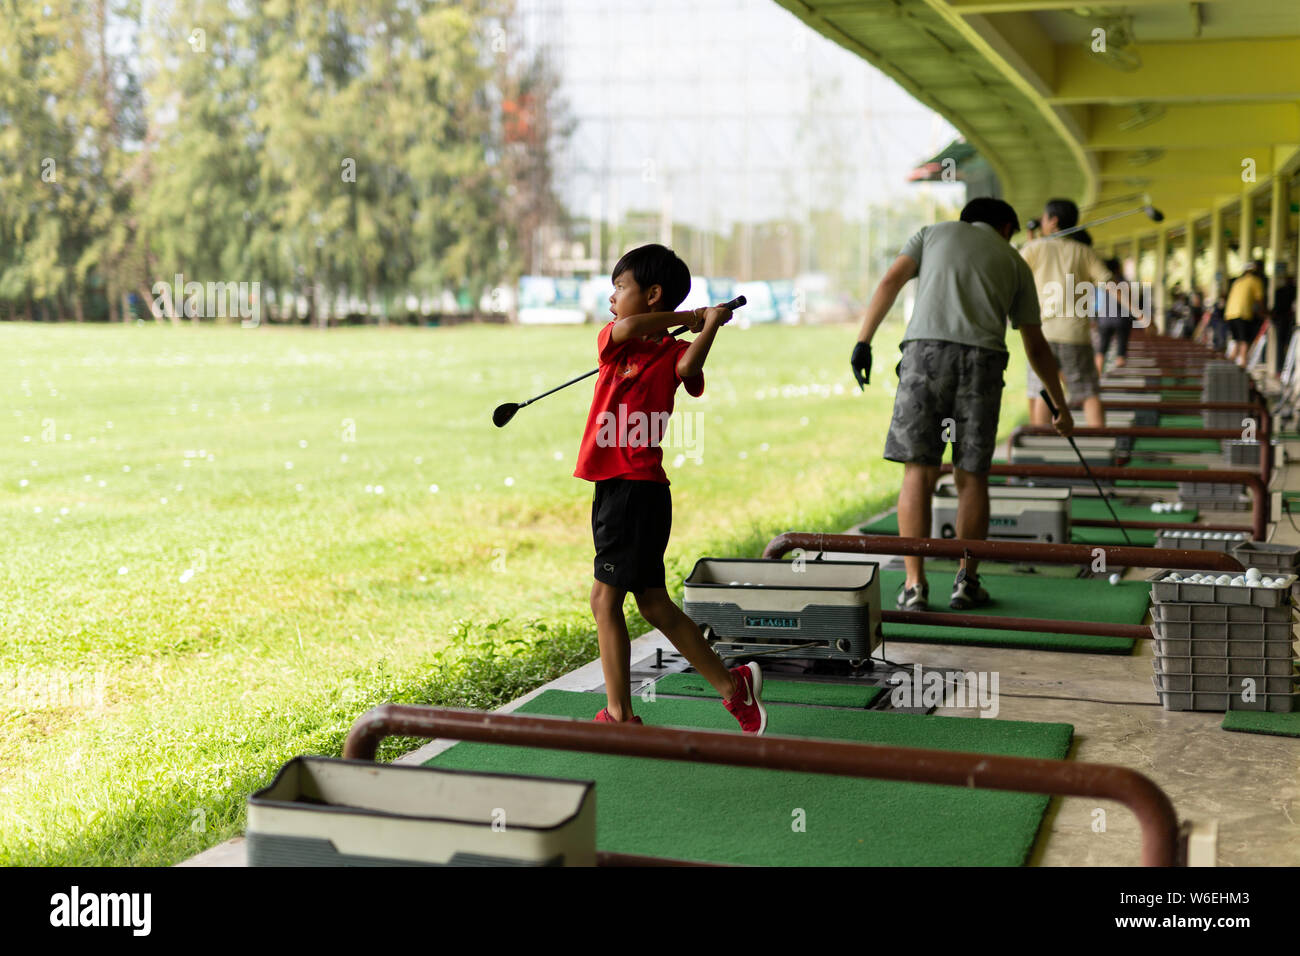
(630, 523)
(1113, 333)
(947, 392)
(1243, 330)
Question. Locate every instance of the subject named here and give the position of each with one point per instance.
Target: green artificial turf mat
(1137, 537)
(1185, 445)
(1141, 462)
(1257, 722)
(742, 815)
(1085, 508)
(1085, 599)
(942, 566)
(777, 691)
(1182, 421)
(885, 525)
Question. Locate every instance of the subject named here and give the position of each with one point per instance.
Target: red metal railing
(1152, 807)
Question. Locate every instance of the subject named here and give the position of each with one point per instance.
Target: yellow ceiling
(1186, 98)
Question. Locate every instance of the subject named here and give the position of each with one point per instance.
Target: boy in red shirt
(631, 514)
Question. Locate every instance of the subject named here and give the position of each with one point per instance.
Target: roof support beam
(1225, 70)
(965, 7)
(1115, 165)
(1248, 125)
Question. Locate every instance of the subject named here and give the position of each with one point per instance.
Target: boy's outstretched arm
(635, 326)
(692, 360)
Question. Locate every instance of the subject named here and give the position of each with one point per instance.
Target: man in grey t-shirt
(970, 280)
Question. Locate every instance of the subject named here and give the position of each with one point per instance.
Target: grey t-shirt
(970, 282)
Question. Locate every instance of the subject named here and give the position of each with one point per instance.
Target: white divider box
(798, 609)
(325, 812)
(1016, 513)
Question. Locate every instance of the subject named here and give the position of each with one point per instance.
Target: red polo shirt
(630, 408)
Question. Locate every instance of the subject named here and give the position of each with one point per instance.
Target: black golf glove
(861, 362)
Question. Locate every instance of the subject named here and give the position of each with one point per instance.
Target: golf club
(1070, 438)
(505, 412)
(1150, 211)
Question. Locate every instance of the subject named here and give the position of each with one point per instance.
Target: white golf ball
(1223, 579)
(1157, 508)
(1253, 573)
(1178, 506)
(1266, 582)
(1238, 581)
(1176, 578)
(1114, 578)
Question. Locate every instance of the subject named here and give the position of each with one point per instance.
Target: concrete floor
(1248, 783)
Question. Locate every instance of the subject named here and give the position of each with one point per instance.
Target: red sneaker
(604, 718)
(747, 705)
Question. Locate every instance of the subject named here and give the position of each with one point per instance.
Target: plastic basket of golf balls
(1220, 496)
(1224, 664)
(1221, 702)
(1191, 539)
(1277, 632)
(1201, 683)
(1221, 614)
(1241, 452)
(1218, 648)
(796, 609)
(1278, 558)
(1209, 587)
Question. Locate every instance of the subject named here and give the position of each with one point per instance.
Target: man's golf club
(1070, 438)
(504, 413)
(1150, 211)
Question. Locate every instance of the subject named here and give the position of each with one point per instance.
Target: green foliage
(309, 147)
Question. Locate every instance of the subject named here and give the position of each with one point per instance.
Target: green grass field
(222, 545)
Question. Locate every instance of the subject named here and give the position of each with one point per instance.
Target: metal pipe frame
(1120, 556)
(1151, 431)
(1063, 778)
(1257, 486)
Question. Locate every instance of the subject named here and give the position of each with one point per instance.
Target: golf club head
(504, 413)
(1154, 214)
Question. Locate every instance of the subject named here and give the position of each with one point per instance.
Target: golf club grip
(1048, 399)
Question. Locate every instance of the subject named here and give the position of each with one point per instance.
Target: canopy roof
(1103, 102)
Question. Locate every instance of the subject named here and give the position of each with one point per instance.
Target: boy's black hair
(1065, 212)
(995, 212)
(656, 265)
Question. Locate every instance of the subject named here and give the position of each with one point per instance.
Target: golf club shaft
(735, 303)
(1083, 461)
(1097, 222)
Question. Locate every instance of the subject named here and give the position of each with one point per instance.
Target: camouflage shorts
(1078, 371)
(946, 392)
